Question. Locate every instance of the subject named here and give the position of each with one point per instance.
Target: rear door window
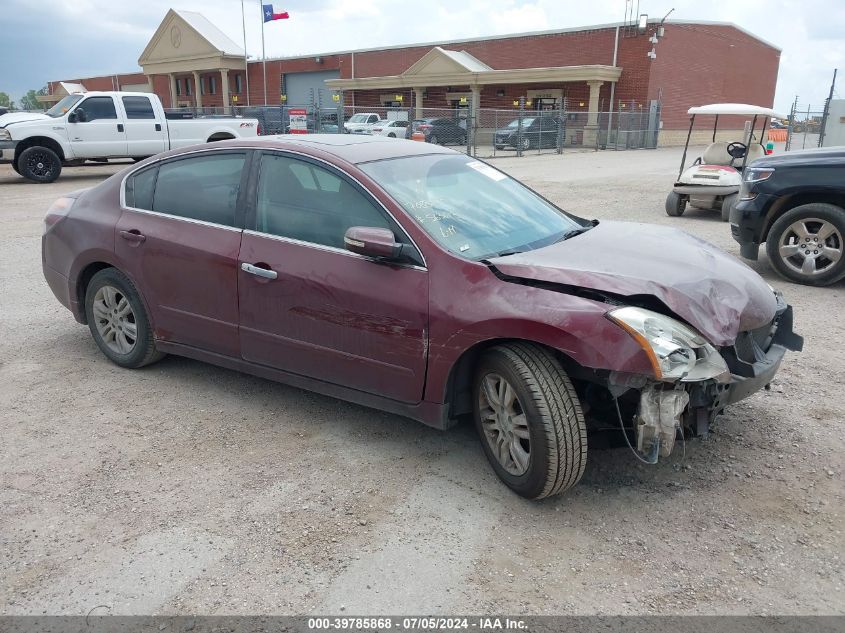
(203, 187)
(138, 108)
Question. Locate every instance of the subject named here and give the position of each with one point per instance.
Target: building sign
(298, 121)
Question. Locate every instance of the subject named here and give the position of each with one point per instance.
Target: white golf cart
(713, 180)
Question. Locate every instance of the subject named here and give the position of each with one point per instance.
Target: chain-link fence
(481, 132)
(804, 126)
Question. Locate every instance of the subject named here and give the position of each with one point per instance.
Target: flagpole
(246, 57)
(263, 54)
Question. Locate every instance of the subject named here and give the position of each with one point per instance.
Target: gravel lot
(185, 488)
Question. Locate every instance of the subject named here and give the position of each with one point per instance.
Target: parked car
(441, 131)
(361, 122)
(103, 125)
(418, 280)
(795, 203)
(537, 132)
(775, 124)
(270, 118)
(391, 129)
(3, 111)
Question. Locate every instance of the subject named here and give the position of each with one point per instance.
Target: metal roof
(217, 38)
(742, 109)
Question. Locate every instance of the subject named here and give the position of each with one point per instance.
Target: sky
(61, 39)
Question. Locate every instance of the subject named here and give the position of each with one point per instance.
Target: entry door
(178, 238)
(145, 136)
(310, 307)
(101, 134)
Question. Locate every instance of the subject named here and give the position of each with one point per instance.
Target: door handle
(158, 127)
(133, 236)
(258, 271)
(120, 127)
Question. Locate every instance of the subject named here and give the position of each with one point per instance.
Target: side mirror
(71, 118)
(372, 242)
(80, 115)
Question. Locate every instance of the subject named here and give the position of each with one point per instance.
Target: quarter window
(200, 188)
(138, 108)
(302, 201)
(98, 108)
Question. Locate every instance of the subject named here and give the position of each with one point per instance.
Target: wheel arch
(220, 136)
(87, 272)
(459, 381)
(789, 202)
(39, 141)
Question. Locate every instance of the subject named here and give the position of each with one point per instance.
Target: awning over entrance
(441, 67)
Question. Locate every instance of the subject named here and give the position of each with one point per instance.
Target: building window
(188, 86)
(212, 85)
(238, 84)
(178, 87)
(202, 85)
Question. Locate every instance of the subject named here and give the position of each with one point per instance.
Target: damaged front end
(693, 380)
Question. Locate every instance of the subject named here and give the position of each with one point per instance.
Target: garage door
(298, 86)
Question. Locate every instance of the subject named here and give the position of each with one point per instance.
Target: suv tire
(820, 228)
(39, 164)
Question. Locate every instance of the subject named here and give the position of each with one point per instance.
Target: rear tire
(118, 320)
(728, 203)
(824, 225)
(529, 420)
(676, 204)
(392, 135)
(39, 164)
(432, 139)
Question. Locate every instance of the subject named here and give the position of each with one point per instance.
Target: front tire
(39, 164)
(807, 244)
(529, 420)
(118, 321)
(676, 204)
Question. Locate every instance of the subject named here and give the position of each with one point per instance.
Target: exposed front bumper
(704, 190)
(7, 151)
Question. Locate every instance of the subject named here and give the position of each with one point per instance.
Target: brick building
(190, 62)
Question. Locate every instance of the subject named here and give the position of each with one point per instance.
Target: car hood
(20, 117)
(709, 289)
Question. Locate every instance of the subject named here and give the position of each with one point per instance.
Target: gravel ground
(185, 488)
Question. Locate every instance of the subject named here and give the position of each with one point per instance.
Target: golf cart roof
(742, 109)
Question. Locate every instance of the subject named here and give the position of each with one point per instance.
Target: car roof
(351, 148)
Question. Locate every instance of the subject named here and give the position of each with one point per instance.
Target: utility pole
(827, 109)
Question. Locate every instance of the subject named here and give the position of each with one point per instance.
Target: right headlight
(756, 175)
(5, 135)
(676, 351)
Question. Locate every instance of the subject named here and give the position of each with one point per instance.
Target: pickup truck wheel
(728, 203)
(676, 204)
(807, 244)
(529, 420)
(40, 164)
(118, 321)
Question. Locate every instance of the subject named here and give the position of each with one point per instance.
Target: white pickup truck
(361, 123)
(103, 125)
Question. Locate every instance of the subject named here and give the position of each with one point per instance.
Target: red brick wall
(695, 64)
(699, 64)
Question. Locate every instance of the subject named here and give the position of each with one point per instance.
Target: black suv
(795, 203)
(537, 132)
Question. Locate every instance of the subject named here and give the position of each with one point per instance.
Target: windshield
(525, 123)
(63, 106)
(359, 118)
(469, 207)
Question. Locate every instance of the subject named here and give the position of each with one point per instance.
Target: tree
(5, 102)
(30, 102)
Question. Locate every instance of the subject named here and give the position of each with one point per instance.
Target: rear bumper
(64, 291)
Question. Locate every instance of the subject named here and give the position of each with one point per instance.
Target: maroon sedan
(414, 279)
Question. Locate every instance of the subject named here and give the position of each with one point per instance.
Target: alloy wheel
(115, 320)
(39, 164)
(505, 424)
(810, 246)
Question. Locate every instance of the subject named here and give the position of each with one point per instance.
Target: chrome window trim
(331, 249)
(161, 159)
(367, 195)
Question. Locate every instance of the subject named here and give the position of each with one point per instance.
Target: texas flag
(270, 14)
